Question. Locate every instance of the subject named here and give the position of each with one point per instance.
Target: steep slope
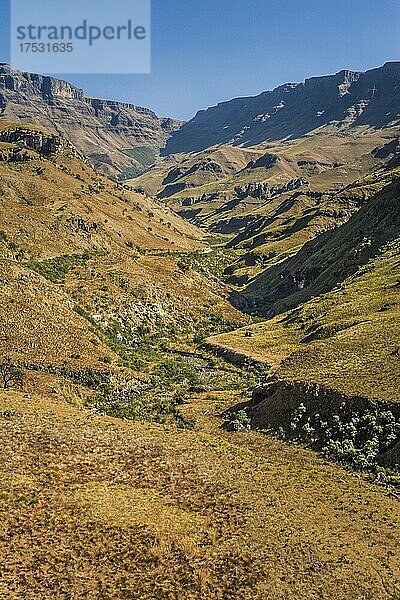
(116, 137)
(101, 314)
(282, 179)
(335, 357)
(345, 100)
(333, 256)
(280, 199)
(346, 339)
(88, 268)
(45, 180)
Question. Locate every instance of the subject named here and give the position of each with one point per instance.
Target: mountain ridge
(126, 446)
(106, 131)
(358, 96)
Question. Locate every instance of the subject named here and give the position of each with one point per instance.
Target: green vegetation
(217, 239)
(173, 375)
(210, 264)
(56, 269)
(135, 400)
(172, 380)
(350, 436)
(143, 154)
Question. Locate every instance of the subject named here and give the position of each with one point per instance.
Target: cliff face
(40, 142)
(31, 84)
(346, 99)
(340, 426)
(100, 129)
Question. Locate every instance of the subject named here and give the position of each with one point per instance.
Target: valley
(115, 505)
(199, 365)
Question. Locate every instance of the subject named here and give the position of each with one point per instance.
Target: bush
(135, 400)
(10, 375)
(56, 269)
(353, 437)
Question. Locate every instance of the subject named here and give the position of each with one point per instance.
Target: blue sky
(207, 51)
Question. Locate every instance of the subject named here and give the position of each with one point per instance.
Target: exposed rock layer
(100, 129)
(346, 99)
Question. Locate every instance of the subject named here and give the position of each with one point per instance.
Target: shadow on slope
(329, 259)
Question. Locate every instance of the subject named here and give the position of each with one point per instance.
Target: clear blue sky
(206, 51)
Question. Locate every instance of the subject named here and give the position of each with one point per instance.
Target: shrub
(56, 269)
(135, 400)
(350, 436)
(10, 375)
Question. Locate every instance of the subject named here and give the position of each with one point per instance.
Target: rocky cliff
(338, 253)
(106, 132)
(344, 100)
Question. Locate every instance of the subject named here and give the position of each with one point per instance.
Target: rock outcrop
(263, 191)
(38, 141)
(339, 425)
(330, 258)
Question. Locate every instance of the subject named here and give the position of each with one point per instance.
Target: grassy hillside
(93, 285)
(334, 358)
(346, 339)
(117, 138)
(333, 256)
(118, 477)
(44, 181)
(116, 507)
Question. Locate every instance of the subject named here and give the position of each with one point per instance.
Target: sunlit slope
(347, 338)
(54, 202)
(86, 264)
(334, 255)
(282, 198)
(116, 507)
(346, 99)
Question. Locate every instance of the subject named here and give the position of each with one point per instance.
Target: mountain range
(347, 99)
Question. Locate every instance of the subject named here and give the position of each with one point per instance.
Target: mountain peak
(393, 66)
(32, 83)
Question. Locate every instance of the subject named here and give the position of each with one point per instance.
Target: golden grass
(69, 190)
(126, 506)
(93, 507)
(60, 206)
(356, 349)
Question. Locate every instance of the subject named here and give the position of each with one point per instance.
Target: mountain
(282, 179)
(333, 256)
(118, 138)
(129, 382)
(66, 204)
(345, 100)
